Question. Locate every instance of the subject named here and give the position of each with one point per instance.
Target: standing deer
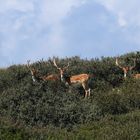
(127, 69)
(36, 76)
(80, 78)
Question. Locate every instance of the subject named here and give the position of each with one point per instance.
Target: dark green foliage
(52, 110)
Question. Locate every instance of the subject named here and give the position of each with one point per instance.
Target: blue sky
(36, 29)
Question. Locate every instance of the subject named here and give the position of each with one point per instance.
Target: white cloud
(53, 11)
(52, 14)
(36, 27)
(20, 5)
(121, 19)
(127, 11)
(23, 22)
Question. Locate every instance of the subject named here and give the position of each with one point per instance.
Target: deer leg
(84, 87)
(86, 93)
(89, 92)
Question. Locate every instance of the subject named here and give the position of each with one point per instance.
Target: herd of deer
(69, 80)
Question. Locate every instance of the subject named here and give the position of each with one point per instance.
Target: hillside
(49, 110)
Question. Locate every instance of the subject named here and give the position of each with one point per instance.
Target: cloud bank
(88, 28)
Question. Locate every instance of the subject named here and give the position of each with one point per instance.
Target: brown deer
(36, 76)
(80, 78)
(136, 76)
(127, 69)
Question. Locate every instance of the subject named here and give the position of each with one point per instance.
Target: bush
(51, 106)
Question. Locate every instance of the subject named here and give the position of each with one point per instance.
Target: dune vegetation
(51, 110)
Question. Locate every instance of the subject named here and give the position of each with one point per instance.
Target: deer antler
(117, 63)
(133, 65)
(31, 70)
(54, 62)
(28, 64)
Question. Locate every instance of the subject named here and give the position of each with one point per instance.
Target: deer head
(61, 70)
(125, 69)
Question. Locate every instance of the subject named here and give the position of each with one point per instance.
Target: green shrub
(49, 110)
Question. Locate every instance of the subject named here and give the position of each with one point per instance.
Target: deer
(70, 80)
(36, 76)
(127, 69)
